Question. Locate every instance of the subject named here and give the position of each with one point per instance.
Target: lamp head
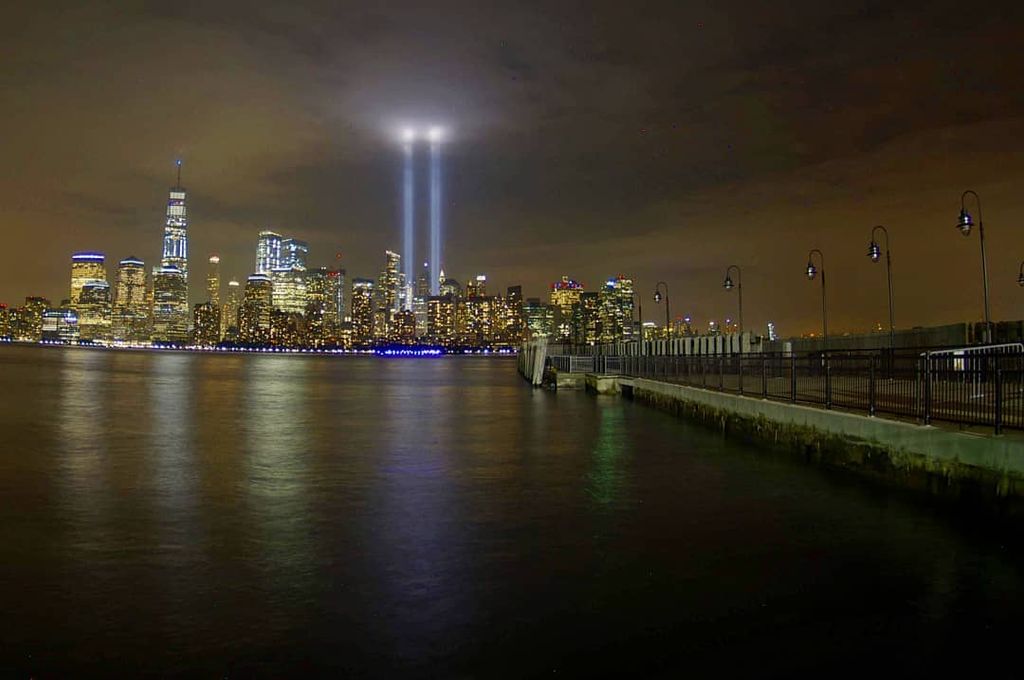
(1020, 279)
(727, 284)
(874, 252)
(965, 222)
(657, 295)
(812, 271)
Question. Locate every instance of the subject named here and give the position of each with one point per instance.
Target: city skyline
(731, 163)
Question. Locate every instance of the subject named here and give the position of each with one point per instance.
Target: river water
(240, 516)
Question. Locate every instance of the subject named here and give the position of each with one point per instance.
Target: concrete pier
(942, 461)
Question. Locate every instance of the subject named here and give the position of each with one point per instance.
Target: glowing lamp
(965, 222)
(728, 282)
(874, 251)
(812, 271)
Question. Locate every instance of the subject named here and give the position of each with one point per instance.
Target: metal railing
(984, 388)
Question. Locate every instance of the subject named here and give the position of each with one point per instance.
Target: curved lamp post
(875, 253)
(658, 298)
(812, 271)
(964, 224)
(727, 284)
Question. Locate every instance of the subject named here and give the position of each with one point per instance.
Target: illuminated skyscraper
(441, 312)
(131, 312)
(289, 294)
(324, 302)
(389, 288)
(175, 251)
(293, 255)
(170, 307)
(94, 311)
(229, 311)
(213, 281)
(206, 324)
(86, 267)
(5, 321)
(254, 315)
(60, 325)
(617, 310)
(476, 287)
(268, 252)
(362, 311)
(564, 295)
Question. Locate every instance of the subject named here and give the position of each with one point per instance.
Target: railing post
(828, 381)
(740, 360)
(721, 372)
(927, 415)
(999, 398)
(871, 387)
(792, 377)
(764, 377)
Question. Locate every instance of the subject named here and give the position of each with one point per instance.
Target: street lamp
(964, 224)
(812, 271)
(657, 299)
(727, 284)
(875, 253)
(1020, 276)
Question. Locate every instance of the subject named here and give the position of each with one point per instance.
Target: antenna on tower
(178, 163)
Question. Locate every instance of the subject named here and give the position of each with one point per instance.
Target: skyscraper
(617, 310)
(564, 295)
(213, 281)
(268, 252)
(362, 311)
(131, 312)
(389, 289)
(254, 315)
(86, 267)
(229, 311)
(94, 311)
(175, 252)
(170, 305)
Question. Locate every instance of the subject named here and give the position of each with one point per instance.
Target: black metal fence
(977, 386)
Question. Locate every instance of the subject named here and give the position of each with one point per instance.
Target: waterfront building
(390, 284)
(94, 311)
(130, 322)
(586, 319)
(26, 322)
(441, 313)
(421, 291)
(213, 281)
(175, 245)
(289, 291)
(5, 321)
(287, 329)
(565, 295)
(170, 305)
(268, 252)
(229, 311)
(476, 287)
(324, 300)
(60, 325)
(254, 315)
(616, 303)
(405, 327)
(86, 267)
(474, 321)
(206, 324)
(362, 311)
(540, 319)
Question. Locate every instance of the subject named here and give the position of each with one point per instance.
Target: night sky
(659, 140)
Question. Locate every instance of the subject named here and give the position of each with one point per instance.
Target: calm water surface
(242, 516)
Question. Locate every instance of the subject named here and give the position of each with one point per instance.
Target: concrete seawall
(943, 462)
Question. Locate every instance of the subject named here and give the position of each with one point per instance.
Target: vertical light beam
(435, 214)
(407, 218)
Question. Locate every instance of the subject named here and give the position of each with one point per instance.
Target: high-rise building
(289, 291)
(268, 252)
(324, 304)
(130, 321)
(94, 311)
(60, 325)
(229, 311)
(405, 327)
(170, 305)
(540, 319)
(564, 295)
(206, 324)
(86, 267)
(617, 310)
(26, 322)
(441, 312)
(516, 324)
(213, 281)
(362, 311)
(254, 315)
(175, 250)
(450, 286)
(585, 324)
(389, 292)
(476, 287)
(5, 321)
(293, 255)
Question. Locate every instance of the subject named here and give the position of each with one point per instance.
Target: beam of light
(435, 212)
(407, 217)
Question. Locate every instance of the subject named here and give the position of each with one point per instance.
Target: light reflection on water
(254, 515)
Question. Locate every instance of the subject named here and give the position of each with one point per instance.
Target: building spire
(178, 163)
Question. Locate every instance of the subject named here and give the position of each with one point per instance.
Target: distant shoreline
(384, 352)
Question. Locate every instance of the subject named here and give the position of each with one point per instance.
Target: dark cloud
(663, 140)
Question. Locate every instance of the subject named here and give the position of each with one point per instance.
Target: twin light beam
(409, 136)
